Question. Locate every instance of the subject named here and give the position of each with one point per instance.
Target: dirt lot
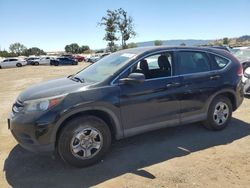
(184, 156)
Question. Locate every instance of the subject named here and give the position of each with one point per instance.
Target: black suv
(126, 93)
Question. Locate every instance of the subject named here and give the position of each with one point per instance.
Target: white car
(41, 61)
(12, 62)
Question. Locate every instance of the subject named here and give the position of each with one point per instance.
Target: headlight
(42, 104)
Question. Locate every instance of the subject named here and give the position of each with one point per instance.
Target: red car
(79, 58)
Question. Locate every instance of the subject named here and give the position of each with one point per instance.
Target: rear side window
(220, 62)
(192, 62)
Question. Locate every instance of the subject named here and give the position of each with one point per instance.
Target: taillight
(240, 70)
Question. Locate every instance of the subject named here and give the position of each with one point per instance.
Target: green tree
(5, 53)
(225, 41)
(183, 44)
(110, 23)
(73, 48)
(84, 49)
(158, 42)
(33, 51)
(125, 26)
(17, 48)
(132, 45)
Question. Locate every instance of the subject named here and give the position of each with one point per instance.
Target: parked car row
(16, 62)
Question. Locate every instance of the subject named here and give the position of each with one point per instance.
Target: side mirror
(133, 78)
(247, 72)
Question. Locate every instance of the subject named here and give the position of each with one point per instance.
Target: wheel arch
(105, 114)
(230, 94)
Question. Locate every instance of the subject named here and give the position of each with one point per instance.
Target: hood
(242, 60)
(50, 88)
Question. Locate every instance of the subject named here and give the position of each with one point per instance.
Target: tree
(5, 53)
(131, 45)
(183, 44)
(73, 48)
(158, 43)
(110, 23)
(117, 21)
(125, 26)
(33, 51)
(17, 48)
(84, 49)
(225, 40)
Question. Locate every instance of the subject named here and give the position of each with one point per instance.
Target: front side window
(155, 66)
(192, 62)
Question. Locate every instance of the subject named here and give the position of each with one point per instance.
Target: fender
(117, 124)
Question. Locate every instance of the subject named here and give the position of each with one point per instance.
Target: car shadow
(26, 169)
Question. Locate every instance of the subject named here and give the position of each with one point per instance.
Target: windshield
(105, 67)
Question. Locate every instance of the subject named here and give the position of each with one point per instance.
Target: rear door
(13, 62)
(199, 82)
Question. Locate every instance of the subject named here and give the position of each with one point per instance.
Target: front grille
(17, 106)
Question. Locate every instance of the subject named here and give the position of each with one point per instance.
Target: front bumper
(30, 133)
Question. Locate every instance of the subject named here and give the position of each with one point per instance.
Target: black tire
(36, 63)
(56, 63)
(211, 123)
(73, 127)
(0, 67)
(19, 65)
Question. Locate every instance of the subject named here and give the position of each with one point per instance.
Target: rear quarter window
(219, 62)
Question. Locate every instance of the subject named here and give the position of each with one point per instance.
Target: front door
(152, 104)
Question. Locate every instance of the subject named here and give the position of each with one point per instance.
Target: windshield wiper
(75, 78)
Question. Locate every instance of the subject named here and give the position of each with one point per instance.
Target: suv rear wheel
(83, 141)
(219, 113)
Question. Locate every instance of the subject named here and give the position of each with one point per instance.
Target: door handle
(174, 84)
(215, 77)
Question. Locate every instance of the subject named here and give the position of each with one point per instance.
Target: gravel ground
(184, 156)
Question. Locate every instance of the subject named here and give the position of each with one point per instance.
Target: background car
(79, 58)
(68, 56)
(63, 61)
(246, 81)
(31, 59)
(12, 62)
(243, 55)
(41, 61)
(94, 59)
(222, 48)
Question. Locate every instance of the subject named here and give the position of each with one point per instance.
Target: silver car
(12, 62)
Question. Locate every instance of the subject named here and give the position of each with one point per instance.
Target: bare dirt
(184, 156)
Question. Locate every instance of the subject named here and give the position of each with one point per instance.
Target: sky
(52, 24)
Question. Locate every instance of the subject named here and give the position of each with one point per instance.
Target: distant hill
(188, 42)
(233, 42)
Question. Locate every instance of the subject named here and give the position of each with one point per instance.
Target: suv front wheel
(219, 113)
(84, 141)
